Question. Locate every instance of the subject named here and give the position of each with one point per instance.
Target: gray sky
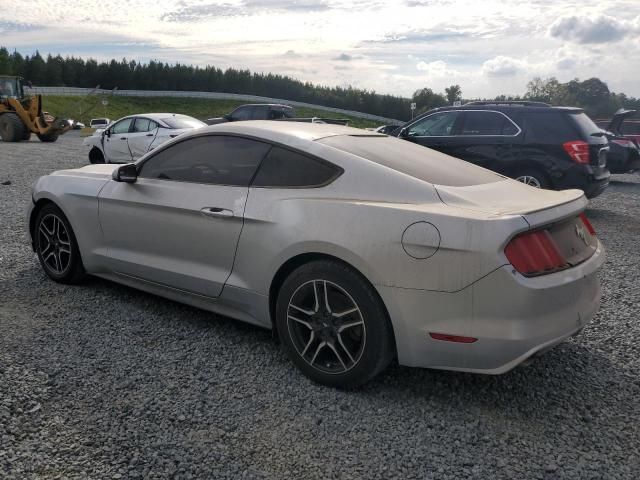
(487, 46)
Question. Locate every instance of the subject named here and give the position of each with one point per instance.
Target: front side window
(216, 160)
(288, 169)
(122, 126)
(487, 123)
(436, 125)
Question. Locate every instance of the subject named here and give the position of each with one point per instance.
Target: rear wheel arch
(297, 261)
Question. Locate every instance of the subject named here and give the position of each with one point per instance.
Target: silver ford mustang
(354, 246)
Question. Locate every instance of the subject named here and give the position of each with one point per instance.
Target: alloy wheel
(529, 180)
(326, 326)
(54, 244)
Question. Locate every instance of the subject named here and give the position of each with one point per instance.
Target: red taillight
(587, 224)
(534, 253)
(578, 151)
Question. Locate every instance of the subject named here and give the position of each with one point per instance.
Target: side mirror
(228, 117)
(126, 173)
(107, 133)
(403, 133)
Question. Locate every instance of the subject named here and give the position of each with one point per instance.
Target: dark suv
(541, 145)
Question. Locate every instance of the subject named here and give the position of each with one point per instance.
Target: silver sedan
(354, 246)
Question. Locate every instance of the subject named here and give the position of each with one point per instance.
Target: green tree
(453, 93)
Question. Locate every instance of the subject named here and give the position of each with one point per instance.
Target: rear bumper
(512, 317)
(590, 179)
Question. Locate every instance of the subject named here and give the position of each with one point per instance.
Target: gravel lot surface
(101, 381)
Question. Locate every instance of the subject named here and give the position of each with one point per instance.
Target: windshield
(183, 121)
(414, 160)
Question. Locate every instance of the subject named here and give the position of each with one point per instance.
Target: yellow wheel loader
(21, 116)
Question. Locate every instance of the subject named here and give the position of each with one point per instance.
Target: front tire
(333, 325)
(56, 246)
(11, 128)
(96, 156)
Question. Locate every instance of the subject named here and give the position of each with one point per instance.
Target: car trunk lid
(617, 120)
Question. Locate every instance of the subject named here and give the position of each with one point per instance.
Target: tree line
(592, 94)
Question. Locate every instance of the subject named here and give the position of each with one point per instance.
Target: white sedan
(131, 137)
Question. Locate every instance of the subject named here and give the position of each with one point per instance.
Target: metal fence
(74, 91)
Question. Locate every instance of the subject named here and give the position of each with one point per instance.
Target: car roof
(284, 132)
(502, 107)
(279, 105)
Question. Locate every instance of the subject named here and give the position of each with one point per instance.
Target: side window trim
(456, 127)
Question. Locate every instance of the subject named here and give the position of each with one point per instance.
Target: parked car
(270, 111)
(78, 125)
(131, 137)
(547, 147)
(99, 123)
(355, 247)
(624, 153)
(623, 125)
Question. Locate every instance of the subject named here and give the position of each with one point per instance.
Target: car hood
(617, 120)
(99, 170)
(509, 197)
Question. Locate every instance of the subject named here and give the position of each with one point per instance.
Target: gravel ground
(101, 381)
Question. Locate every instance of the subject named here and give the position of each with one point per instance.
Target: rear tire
(27, 135)
(48, 138)
(56, 246)
(96, 156)
(11, 128)
(533, 178)
(333, 325)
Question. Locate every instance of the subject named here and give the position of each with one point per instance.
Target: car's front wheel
(56, 246)
(333, 325)
(96, 156)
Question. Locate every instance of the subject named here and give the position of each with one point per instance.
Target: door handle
(216, 212)
(149, 135)
(123, 138)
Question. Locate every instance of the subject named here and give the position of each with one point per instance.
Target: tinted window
(549, 128)
(285, 168)
(487, 123)
(213, 159)
(122, 126)
(436, 125)
(183, 121)
(241, 113)
(260, 113)
(413, 160)
(144, 125)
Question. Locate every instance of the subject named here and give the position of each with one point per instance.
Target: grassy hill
(85, 108)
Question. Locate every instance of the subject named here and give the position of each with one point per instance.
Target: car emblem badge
(581, 234)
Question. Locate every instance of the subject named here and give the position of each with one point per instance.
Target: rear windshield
(183, 121)
(411, 159)
(100, 121)
(585, 124)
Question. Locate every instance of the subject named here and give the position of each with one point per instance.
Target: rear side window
(487, 123)
(144, 125)
(549, 128)
(584, 123)
(285, 168)
(215, 160)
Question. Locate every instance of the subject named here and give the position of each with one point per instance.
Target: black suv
(541, 145)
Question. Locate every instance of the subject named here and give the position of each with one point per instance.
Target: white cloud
(502, 66)
(599, 29)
